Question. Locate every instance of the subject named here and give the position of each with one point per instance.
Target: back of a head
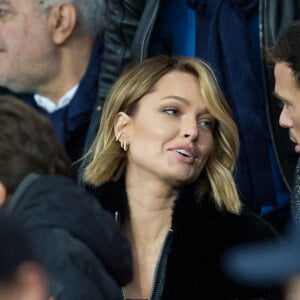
(286, 49)
(28, 144)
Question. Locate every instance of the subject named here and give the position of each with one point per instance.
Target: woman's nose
(191, 129)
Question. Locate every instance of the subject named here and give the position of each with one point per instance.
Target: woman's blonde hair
(106, 159)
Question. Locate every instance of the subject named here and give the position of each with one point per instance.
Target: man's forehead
(285, 80)
(16, 4)
(13, 2)
(282, 67)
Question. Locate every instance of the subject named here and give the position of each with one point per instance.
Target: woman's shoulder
(250, 226)
(206, 218)
(247, 226)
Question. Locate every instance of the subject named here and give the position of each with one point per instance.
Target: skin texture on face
(170, 135)
(288, 93)
(27, 53)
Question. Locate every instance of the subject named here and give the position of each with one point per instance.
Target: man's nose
(285, 120)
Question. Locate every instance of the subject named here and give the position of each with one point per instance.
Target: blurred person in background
(268, 264)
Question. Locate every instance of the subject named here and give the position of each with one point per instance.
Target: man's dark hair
(28, 144)
(287, 49)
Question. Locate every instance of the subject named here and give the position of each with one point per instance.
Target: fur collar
(201, 234)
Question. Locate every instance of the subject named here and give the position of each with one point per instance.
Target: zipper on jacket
(123, 294)
(159, 267)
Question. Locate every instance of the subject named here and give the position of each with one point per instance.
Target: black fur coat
(201, 234)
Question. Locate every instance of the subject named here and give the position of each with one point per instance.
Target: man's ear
(121, 123)
(3, 193)
(62, 21)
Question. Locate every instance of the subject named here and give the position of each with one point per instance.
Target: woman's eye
(171, 111)
(207, 123)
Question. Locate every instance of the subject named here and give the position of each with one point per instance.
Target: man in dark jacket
(50, 56)
(286, 55)
(78, 243)
(268, 264)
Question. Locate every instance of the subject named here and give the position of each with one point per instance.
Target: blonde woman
(163, 159)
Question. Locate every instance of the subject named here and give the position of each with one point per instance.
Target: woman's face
(171, 133)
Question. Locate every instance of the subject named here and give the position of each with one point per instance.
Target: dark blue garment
(79, 244)
(71, 122)
(174, 30)
(225, 35)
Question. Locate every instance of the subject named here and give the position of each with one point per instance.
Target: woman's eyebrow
(185, 101)
(179, 98)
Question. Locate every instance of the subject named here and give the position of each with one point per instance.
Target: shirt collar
(48, 105)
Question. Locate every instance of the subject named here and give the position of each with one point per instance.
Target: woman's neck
(150, 209)
(150, 214)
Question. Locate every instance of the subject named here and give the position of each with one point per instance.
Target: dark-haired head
(286, 49)
(28, 144)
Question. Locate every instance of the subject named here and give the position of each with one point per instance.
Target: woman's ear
(121, 123)
(3, 194)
